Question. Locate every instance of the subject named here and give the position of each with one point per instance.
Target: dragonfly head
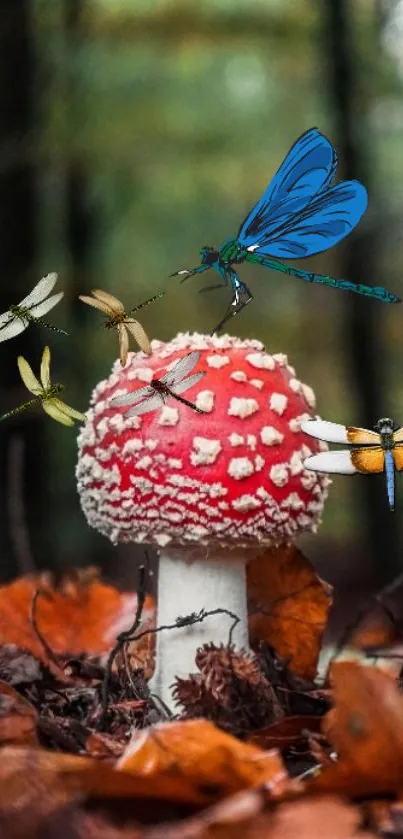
(208, 255)
(385, 425)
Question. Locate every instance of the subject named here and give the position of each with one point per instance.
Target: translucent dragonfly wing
(28, 377)
(41, 290)
(109, 300)
(330, 217)
(96, 304)
(123, 343)
(45, 368)
(307, 170)
(40, 309)
(12, 326)
(150, 404)
(181, 369)
(131, 398)
(187, 383)
(140, 336)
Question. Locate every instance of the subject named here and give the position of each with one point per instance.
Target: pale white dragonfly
(31, 309)
(44, 392)
(173, 383)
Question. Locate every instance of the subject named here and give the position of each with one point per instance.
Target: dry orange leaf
(366, 729)
(286, 732)
(83, 615)
(288, 606)
(203, 754)
(18, 718)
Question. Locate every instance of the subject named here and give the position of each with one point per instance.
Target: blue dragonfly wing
(330, 217)
(307, 170)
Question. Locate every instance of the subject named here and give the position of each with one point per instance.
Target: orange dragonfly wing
(368, 460)
(362, 436)
(398, 457)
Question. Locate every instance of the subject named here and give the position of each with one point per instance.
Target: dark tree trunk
(362, 317)
(22, 446)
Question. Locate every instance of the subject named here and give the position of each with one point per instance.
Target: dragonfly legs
(190, 272)
(241, 298)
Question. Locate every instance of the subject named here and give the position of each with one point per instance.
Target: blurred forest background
(131, 134)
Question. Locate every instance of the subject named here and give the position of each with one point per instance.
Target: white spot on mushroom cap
(144, 374)
(295, 423)
(240, 467)
(309, 396)
(278, 403)
(281, 359)
(257, 383)
(245, 503)
(205, 401)
(242, 408)
(271, 436)
(144, 462)
(206, 452)
(168, 416)
(293, 501)
(251, 441)
(261, 361)
(295, 385)
(239, 376)
(279, 474)
(259, 463)
(217, 361)
(236, 439)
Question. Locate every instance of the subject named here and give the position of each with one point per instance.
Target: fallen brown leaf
(82, 615)
(288, 607)
(286, 732)
(203, 754)
(18, 718)
(366, 729)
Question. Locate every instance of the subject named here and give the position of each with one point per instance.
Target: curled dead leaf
(288, 606)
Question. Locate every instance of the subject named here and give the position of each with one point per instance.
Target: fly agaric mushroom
(208, 489)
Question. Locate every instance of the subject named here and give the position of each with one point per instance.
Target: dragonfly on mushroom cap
(173, 383)
(300, 214)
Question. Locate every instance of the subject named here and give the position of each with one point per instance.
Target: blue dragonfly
(299, 214)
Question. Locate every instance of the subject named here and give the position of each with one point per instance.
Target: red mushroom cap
(232, 475)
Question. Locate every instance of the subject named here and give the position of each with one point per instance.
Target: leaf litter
(255, 751)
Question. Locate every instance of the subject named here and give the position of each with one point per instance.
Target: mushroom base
(188, 582)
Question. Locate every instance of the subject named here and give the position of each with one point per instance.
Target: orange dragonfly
(380, 450)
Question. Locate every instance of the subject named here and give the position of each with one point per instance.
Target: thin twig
(52, 656)
(121, 640)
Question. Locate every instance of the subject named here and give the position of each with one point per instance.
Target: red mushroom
(208, 488)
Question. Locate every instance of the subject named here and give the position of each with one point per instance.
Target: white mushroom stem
(191, 580)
